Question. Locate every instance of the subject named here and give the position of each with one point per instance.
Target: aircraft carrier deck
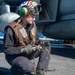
(62, 59)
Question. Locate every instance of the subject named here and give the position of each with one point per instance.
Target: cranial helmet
(29, 6)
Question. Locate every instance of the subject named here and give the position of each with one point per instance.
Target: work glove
(29, 48)
(37, 47)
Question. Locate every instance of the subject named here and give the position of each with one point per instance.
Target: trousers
(22, 63)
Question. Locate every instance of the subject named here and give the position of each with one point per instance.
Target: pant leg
(21, 65)
(43, 59)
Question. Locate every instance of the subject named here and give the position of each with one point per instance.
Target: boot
(40, 72)
(14, 72)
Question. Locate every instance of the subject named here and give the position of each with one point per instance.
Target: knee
(30, 67)
(23, 63)
(47, 45)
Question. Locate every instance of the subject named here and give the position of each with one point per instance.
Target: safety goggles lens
(36, 9)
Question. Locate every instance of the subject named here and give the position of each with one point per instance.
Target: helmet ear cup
(23, 11)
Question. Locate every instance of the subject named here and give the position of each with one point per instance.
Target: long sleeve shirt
(9, 43)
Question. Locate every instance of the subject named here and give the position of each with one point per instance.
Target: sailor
(21, 42)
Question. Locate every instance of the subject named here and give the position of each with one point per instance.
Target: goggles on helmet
(35, 10)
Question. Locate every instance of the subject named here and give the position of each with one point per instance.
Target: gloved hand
(37, 47)
(29, 48)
